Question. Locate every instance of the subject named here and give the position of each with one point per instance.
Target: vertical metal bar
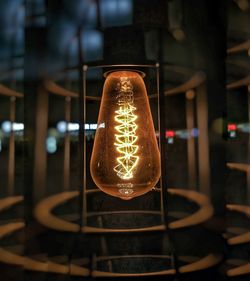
(11, 160)
(85, 68)
(67, 113)
(162, 146)
(40, 163)
(161, 122)
(248, 172)
(190, 141)
(203, 141)
(11, 163)
(82, 116)
(66, 160)
(160, 137)
(81, 142)
(163, 179)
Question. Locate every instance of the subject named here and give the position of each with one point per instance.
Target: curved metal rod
(8, 202)
(240, 83)
(239, 166)
(204, 263)
(96, 66)
(245, 237)
(97, 273)
(92, 214)
(172, 67)
(91, 229)
(6, 91)
(120, 65)
(31, 264)
(9, 228)
(245, 46)
(239, 208)
(195, 81)
(54, 88)
(240, 239)
(239, 270)
(204, 213)
(43, 213)
(103, 258)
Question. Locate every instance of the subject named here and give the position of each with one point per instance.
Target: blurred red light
(169, 134)
(231, 127)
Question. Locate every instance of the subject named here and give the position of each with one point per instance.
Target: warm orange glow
(125, 160)
(126, 139)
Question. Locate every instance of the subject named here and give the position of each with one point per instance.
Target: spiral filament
(126, 137)
(125, 160)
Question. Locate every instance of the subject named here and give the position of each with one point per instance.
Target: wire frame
(97, 216)
(12, 95)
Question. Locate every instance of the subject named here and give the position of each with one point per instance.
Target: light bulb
(125, 160)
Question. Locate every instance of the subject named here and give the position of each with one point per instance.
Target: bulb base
(131, 71)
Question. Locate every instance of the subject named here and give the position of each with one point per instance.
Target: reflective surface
(125, 160)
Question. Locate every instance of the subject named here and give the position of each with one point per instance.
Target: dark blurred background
(203, 51)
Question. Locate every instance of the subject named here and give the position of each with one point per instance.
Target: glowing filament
(126, 137)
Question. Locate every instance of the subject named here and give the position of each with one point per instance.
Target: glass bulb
(125, 160)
